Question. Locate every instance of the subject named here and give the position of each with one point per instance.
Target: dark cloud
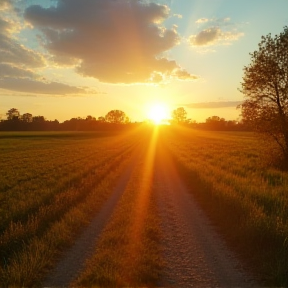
(14, 53)
(4, 26)
(38, 87)
(116, 41)
(7, 70)
(207, 105)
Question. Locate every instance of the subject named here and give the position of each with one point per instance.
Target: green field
(52, 184)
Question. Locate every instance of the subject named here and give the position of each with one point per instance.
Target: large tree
(13, 114)
(179, 115)
(116, 117)
(265, 87)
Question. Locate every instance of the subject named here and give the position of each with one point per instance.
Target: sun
(158, 113)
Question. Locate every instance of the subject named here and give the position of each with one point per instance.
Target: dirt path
(74, 259)
(196, 255)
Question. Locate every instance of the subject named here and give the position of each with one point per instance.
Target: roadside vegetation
(50, 189)
(247, 200)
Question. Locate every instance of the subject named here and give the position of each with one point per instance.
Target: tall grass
(247, 200)
(128, 254)
(32, 237)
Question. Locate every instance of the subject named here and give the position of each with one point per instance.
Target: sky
(73, 58)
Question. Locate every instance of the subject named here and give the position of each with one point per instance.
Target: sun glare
(158, 114)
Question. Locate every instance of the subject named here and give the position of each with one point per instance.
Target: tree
(116, 117)
(215, 122)
(38, 119)
(90, 118)
(179, 115)
(265, 87)
(13, 114)
(101, 119)
(27, 117)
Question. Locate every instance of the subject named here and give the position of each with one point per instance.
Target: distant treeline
(74, 124)
(114, 120)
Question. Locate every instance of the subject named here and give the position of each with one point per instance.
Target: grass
(52, 184)
(247, 200)
(54, 187)
(128, 254)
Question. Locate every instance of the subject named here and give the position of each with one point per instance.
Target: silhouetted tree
(265, 87)
(13, 114)
(38, 119)
(27, 117)
(90, 118)
(116, 117)
(216, 123)
(179, 115)
(101, 119)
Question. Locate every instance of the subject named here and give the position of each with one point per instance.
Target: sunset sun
(158, 113)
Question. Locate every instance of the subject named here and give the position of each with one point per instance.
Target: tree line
(27, 122)
(114, 119)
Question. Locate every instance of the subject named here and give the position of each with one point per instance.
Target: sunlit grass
(32, 237)
(128, 253)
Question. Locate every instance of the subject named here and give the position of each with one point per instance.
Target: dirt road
(195, 255)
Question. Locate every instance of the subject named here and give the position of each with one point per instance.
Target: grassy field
(52, 184)
(128, 253)
(247, 200)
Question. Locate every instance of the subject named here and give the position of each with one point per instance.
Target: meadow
(53, 183)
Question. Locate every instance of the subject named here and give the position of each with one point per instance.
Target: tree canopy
(265, 87)
(13, 113)
(179, 115)
(116, 117)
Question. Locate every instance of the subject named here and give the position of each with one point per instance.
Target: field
(247, 200)
(52, 185)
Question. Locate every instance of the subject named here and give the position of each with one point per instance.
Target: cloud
(215, 32)
(7, 70)
(184, 75)
(39, 87)
(206, 37)
(202, 20)
(120, 41)
(12, 52)
(179, 16)
(5, 4)
(19, 64)
(207, 105)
